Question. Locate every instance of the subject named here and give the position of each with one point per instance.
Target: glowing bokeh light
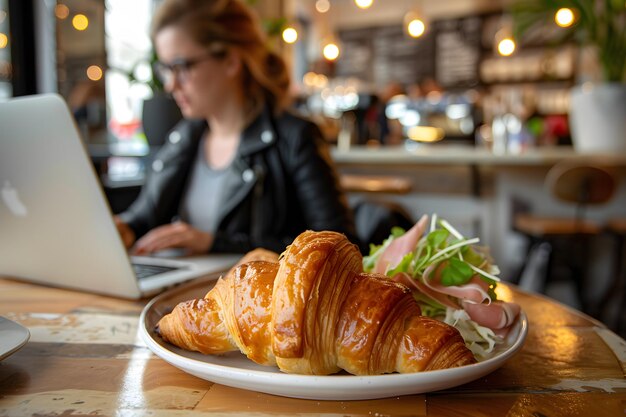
(61, 11)
(416, 28)
(80, 22)
(331, 52)
(290, 35)
(363, 4)
(426, 133)
(94, 73)
(322, 6)
(564, 17)
(506, 47)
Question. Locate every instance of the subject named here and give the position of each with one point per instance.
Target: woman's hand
(175, 235)
(126, 233)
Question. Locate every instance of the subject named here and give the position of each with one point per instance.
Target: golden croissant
(315, 311)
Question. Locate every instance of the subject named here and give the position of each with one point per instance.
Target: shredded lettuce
(479, 339)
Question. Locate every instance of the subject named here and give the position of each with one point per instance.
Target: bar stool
(568, 238)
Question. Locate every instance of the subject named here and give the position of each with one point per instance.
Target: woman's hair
(221, 25)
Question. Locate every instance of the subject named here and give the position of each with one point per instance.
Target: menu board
(458, 51)
(449, 52)
(356, 55)
(385, 55)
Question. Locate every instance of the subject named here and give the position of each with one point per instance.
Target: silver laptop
(56, 227)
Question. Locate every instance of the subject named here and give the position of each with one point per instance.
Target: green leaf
(377, 250)
(472, 257)
(397, 231)
(456, 272)
(437, 237)
(374, 248)
(370, 261)
(403, 265)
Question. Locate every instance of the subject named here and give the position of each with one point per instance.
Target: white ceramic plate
(236, 370)
(12, 337)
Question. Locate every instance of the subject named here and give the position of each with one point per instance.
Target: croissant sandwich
(315, 311)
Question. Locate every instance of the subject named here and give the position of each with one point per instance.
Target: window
(6, 88)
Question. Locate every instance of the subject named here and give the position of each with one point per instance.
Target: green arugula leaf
(374, 248)
(403, 265)
(472, 257)
(370, 261)
(437, 237)
(397, 231)
(456, 272)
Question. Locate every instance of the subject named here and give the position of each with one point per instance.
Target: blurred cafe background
(507, 118)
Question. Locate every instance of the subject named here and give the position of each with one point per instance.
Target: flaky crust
(316, 312)
(209, 325)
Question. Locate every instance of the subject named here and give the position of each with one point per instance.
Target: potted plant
(598, 108)
(159, 113)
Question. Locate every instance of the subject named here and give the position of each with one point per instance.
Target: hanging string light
(80, 22)
(503, 40)
(61, 11)
(94, 73)
(564, 17)
(331, 51)
(363, 4)
(506, 46)
(290, 35)
(322, 6)
(414, 24)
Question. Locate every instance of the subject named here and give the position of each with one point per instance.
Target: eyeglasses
(178, 68)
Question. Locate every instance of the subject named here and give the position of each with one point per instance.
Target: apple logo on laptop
(12, 200)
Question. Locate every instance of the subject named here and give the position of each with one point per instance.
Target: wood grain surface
(85, 358)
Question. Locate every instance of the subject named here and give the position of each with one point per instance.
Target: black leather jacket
(284, 184)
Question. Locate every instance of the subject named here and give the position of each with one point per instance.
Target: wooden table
(85, 358)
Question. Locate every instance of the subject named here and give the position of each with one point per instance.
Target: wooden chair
(581, 185)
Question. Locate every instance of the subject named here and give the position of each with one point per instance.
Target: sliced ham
(417, 285)
(400, 246)
(497, 315)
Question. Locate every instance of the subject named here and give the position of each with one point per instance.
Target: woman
(240, 172)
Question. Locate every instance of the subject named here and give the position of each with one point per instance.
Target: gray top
(203, 195)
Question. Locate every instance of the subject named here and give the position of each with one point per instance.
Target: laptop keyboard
(144, 271)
